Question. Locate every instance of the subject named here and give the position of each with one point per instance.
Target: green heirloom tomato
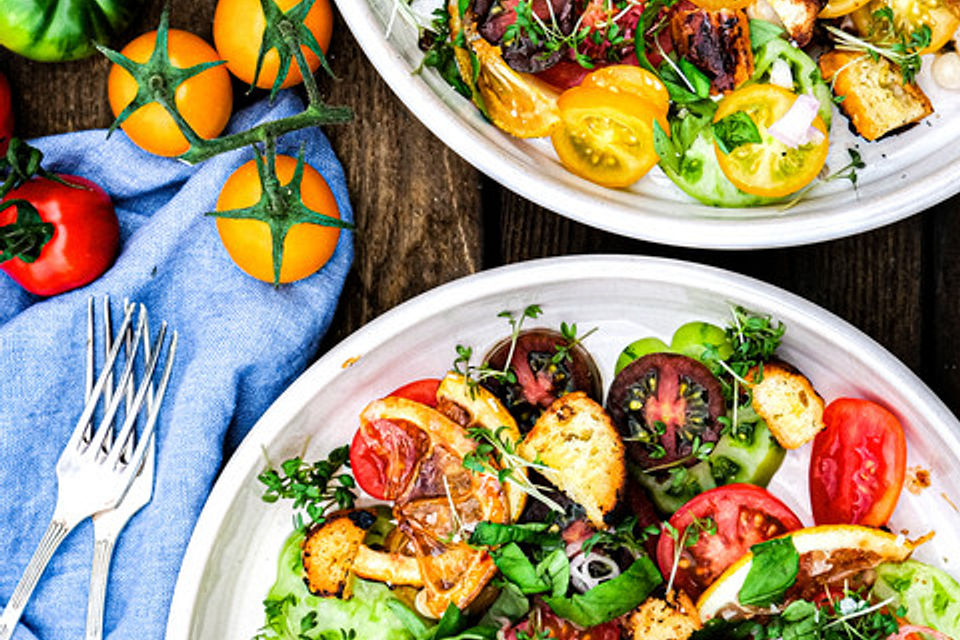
(671, 490)
(930, 596)
(639, 348)
(56, 30)
(805, 73)
(751, 455)
(693, 339)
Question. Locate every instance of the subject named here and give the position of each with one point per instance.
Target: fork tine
(148, 428)
(107, 345)
(131, 418)
(88, 379)
(106, 422)
(77, 437)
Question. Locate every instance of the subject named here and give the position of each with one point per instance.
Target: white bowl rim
(935, 186)
(764, 296)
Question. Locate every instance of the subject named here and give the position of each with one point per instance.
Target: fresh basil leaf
(610, 599)
(494, 534)
(762, 32)
(517, 568)
(773, 571)
(510, 604)
(666, 150)
(410, 620)
(555, 568)
(449, 624)
(700, 82)
(735, 130)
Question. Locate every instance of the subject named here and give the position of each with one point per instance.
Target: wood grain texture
(942, 320)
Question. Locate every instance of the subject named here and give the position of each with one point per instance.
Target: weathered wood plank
(942, 349)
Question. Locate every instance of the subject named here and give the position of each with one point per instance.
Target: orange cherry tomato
(627, 78)
(238, 30)
(606, 137)
(306, 248)
(205, 100)
(769, 168)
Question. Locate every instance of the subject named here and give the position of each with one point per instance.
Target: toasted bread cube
(716, 42)
(798, 17)
(787, 402)
(874, 96)
(671, 619)
(576, 439)
(329, 551)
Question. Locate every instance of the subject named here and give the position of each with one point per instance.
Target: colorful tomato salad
(506, 502)
(733, 99)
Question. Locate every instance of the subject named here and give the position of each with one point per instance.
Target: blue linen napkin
(241, 343)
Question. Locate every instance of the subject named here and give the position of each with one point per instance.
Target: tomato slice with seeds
(858, 464)
(744, 515)
(769, 168)
(632, 80)
(909, 16)
(606, 137)
(422, 391)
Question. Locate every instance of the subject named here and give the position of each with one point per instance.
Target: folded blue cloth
(241, 343)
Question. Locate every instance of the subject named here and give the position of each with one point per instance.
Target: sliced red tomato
(422, 391)
(743, 515)
(384, 456)
(858, 464)
(606, 137)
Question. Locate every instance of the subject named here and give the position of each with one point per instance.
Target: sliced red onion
(580, 570)
(907, 629)
(781, 75)
(794, 128)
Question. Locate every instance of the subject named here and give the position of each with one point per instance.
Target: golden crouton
(585, 455)
(874, 96)
(329, 550)
(787, 402)
(671, 619)
(798, 17)
(716, 42)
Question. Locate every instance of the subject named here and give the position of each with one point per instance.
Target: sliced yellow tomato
(627, 78)
(769, 168)
(716, 5)
(942, 16)
(837, 8)
(606, 137)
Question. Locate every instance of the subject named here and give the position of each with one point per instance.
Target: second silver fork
(107, 525)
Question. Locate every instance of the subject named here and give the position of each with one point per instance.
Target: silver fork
(91, 476)
(107, 525)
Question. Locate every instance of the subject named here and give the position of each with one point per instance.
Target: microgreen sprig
(314, 487)
(475, 374)
(499, 448)
(686, 539)
(902, 49)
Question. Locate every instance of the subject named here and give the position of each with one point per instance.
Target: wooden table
(425, 216)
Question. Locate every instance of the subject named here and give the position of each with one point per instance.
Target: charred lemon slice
(828, 554)
(513, 101)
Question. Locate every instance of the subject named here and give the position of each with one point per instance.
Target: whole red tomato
(6, 114)
(83, 231)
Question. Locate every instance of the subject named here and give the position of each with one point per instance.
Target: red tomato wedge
(422, 391)
(858, 464)
(744, 515)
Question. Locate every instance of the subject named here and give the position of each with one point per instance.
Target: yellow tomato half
(769, 168)
(909, 16)
(626, 78)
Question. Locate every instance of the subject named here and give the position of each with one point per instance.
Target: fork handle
(102, 553)
(57, 530)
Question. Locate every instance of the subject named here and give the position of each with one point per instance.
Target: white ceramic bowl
(231, 560)
(905, 174)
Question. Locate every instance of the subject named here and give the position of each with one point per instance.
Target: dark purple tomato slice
(663, 404)
(542, 373)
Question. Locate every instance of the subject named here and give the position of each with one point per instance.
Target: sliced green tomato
(805, 72)
(639, 348)
(930, 596)
(751, 455)
(669, 494)
(769, 168)
(693, 339)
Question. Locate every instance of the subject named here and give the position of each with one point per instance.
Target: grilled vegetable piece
(675, 618)
(716, 42)
(798, 16)
(514, 102)
(333, 551)
(788, 403)
(873, 94)
(577, 441)
(478, 407)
